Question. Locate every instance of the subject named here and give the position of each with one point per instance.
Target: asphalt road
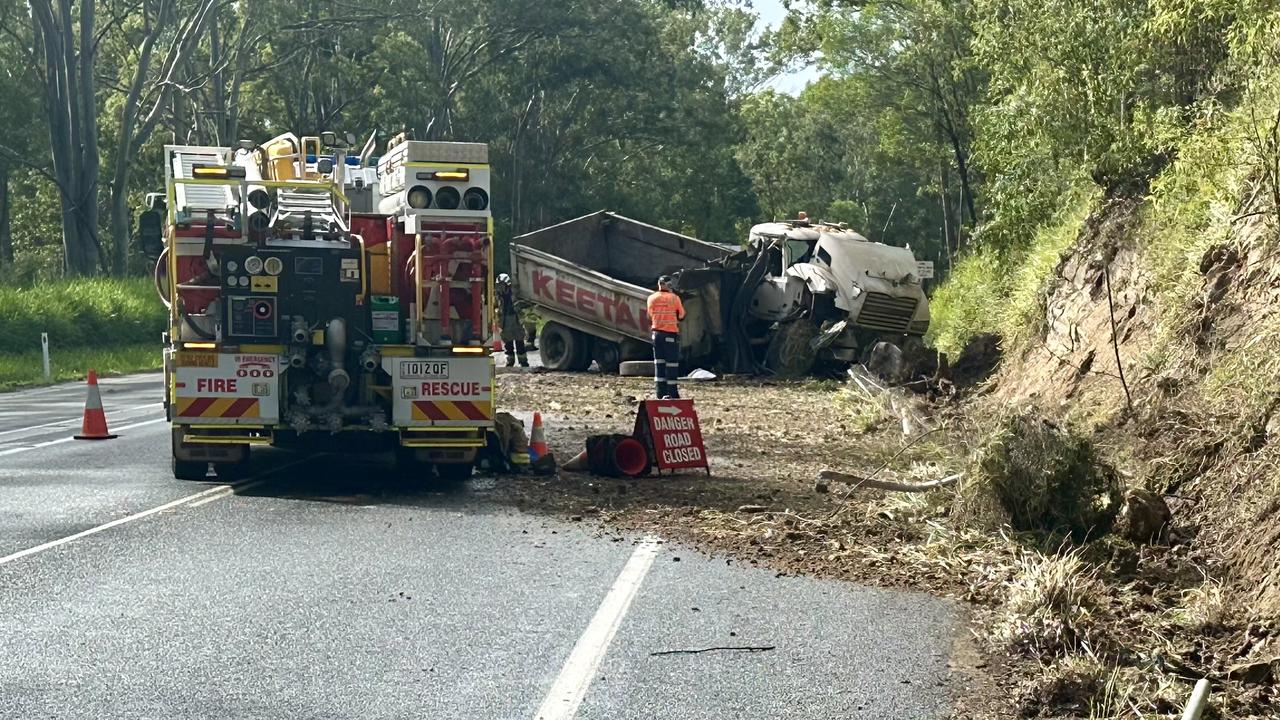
(316, 589)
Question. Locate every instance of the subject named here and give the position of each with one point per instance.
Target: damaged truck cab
(827, 291)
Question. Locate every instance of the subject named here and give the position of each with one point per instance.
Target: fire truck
(321, 297)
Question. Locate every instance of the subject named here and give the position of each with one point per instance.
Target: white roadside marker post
(1198, 702)
(44, 350)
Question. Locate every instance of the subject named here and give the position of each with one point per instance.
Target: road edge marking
(234, 489)
(51, 426)
(59, 441)
(570, 687)
(146, 513)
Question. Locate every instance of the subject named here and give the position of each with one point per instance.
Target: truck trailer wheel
(607, 356)
(789, 354)
(636, 368)
(560, 347)
(583, 346)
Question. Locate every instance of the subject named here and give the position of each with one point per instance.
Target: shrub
(1042, 478)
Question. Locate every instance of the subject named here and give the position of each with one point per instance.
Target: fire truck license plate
(424, 369)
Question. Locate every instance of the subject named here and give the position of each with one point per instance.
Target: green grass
(97, 312)
(24, 369)
(992, 291)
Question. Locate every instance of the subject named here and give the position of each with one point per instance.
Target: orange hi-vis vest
(665, 311)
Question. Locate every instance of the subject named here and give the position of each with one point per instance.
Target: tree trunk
(89, 163)
(72, 130)
(137, 123)
(6, 230)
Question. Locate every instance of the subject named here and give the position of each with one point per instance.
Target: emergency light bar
(217, 171)
(460, 175)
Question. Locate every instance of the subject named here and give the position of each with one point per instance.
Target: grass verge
(79, 312)
(24, 369)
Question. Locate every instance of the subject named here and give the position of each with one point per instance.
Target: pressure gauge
(253, 265)
(232, 266)
(274, 265)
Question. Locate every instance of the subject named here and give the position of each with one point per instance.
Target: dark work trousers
(666, 363)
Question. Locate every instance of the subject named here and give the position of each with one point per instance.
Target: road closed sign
(671, 431)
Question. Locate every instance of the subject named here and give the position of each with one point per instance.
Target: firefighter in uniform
(509, 321)
(665, 313)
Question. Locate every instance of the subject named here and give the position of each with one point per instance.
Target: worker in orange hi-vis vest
(665, 313)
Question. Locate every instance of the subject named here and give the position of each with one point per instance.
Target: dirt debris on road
(767, 442)
(1126, 609)
(764, 504)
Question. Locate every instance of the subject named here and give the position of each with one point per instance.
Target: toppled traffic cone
(578, 463)
(538, 437)
(94, 425)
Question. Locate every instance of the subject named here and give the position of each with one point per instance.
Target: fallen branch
(844, 499)
(739, 648)
(859, 481)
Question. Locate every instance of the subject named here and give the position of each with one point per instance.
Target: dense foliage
(972, 130)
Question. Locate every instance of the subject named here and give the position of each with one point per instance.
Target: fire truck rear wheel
(189, 469)
(410, 467)
(234, 470)
(454, 472)
(559, 347)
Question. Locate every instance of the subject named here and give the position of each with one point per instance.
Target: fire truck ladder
(306, 215)
(195, 201)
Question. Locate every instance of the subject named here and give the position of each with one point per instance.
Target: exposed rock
(1145, 518)
(1255, 673)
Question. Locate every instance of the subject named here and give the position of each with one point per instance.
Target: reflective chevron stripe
(214, 407)
(457, 410)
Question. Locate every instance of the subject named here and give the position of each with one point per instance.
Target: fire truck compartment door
(213, 388)
(441, 392)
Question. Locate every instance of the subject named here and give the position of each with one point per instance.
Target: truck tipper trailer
(797, 294)
(321, 299)
(590, 278)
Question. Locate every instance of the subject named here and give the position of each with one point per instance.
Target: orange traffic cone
(497, 339)
(538, 437)
(94, 426)
(578, 463)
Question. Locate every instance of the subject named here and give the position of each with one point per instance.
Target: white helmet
(504, 279)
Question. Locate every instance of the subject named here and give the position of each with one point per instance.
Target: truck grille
(885, 312)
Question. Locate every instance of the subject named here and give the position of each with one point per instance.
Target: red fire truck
(320, 297)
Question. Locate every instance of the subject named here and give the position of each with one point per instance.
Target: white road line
(69, 438)
(228, 491)
(146, 513)
(73, 421)
(575, 677)
(225, 491)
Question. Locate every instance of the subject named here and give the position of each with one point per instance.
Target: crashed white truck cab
(831, 292)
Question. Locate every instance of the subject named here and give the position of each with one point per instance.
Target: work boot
(524, 362)
(511, 361)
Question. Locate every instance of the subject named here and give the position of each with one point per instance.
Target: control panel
(266, 291)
